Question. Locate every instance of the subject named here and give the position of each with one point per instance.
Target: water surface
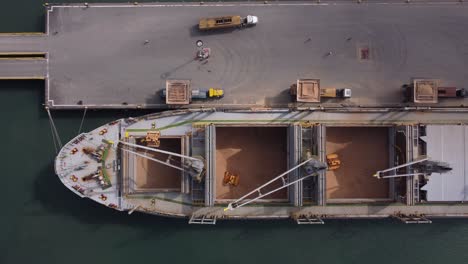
(42, 222)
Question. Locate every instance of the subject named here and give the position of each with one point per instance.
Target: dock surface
(120, 55)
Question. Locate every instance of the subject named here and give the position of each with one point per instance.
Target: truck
(180, 92)
(226, 22)
(428, 91)
(451, 92)
(335, 93)
(309, 91)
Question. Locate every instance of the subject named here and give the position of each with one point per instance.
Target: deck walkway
(331, 211)
(23, 56)
(23, 68)
(23, 43)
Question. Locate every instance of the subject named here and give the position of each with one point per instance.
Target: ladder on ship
(308, 142)
(198, 149)
(198, 192)
(415, 178)
(416, 189)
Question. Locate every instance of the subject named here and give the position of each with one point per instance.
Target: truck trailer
(226, 22)
(309, 91)
(428, 91)
(180, 92)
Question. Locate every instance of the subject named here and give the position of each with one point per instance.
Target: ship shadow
(282, 99)
(56, 199)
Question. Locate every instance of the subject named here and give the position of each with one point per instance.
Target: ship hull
(255, 147)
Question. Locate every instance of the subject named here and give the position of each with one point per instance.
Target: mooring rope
(54, 128)
(82, 119)
(53, 137)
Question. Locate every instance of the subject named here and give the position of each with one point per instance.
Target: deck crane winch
(194, 166)
(310, 166)
(422, 166)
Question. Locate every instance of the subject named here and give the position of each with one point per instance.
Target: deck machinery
(174, 164)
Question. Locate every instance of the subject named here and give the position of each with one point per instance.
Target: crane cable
(53, 137)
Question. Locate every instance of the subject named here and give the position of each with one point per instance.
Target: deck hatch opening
(360, 150)
(151, 176)
(256, 154)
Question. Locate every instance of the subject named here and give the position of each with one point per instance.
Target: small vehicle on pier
(309, 91)
(227, 22)
(180, 92)
(429, 91)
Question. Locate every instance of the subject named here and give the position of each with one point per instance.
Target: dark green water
(42, 222)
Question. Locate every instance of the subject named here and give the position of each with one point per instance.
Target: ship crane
(311, 168)
(195, 166)
(420, 167)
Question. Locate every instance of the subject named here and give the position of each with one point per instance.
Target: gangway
(202, 220)
(313, 166)
(412, 219)
(309, 220)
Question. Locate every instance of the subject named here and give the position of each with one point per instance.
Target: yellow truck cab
(335, 93)
(226, 22)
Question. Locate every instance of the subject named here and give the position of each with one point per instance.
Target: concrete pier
(120, 55)
(23, 69)
(23, 56)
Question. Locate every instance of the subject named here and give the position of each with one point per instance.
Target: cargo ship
(307, 165)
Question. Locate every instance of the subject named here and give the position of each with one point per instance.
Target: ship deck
(277, 133)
